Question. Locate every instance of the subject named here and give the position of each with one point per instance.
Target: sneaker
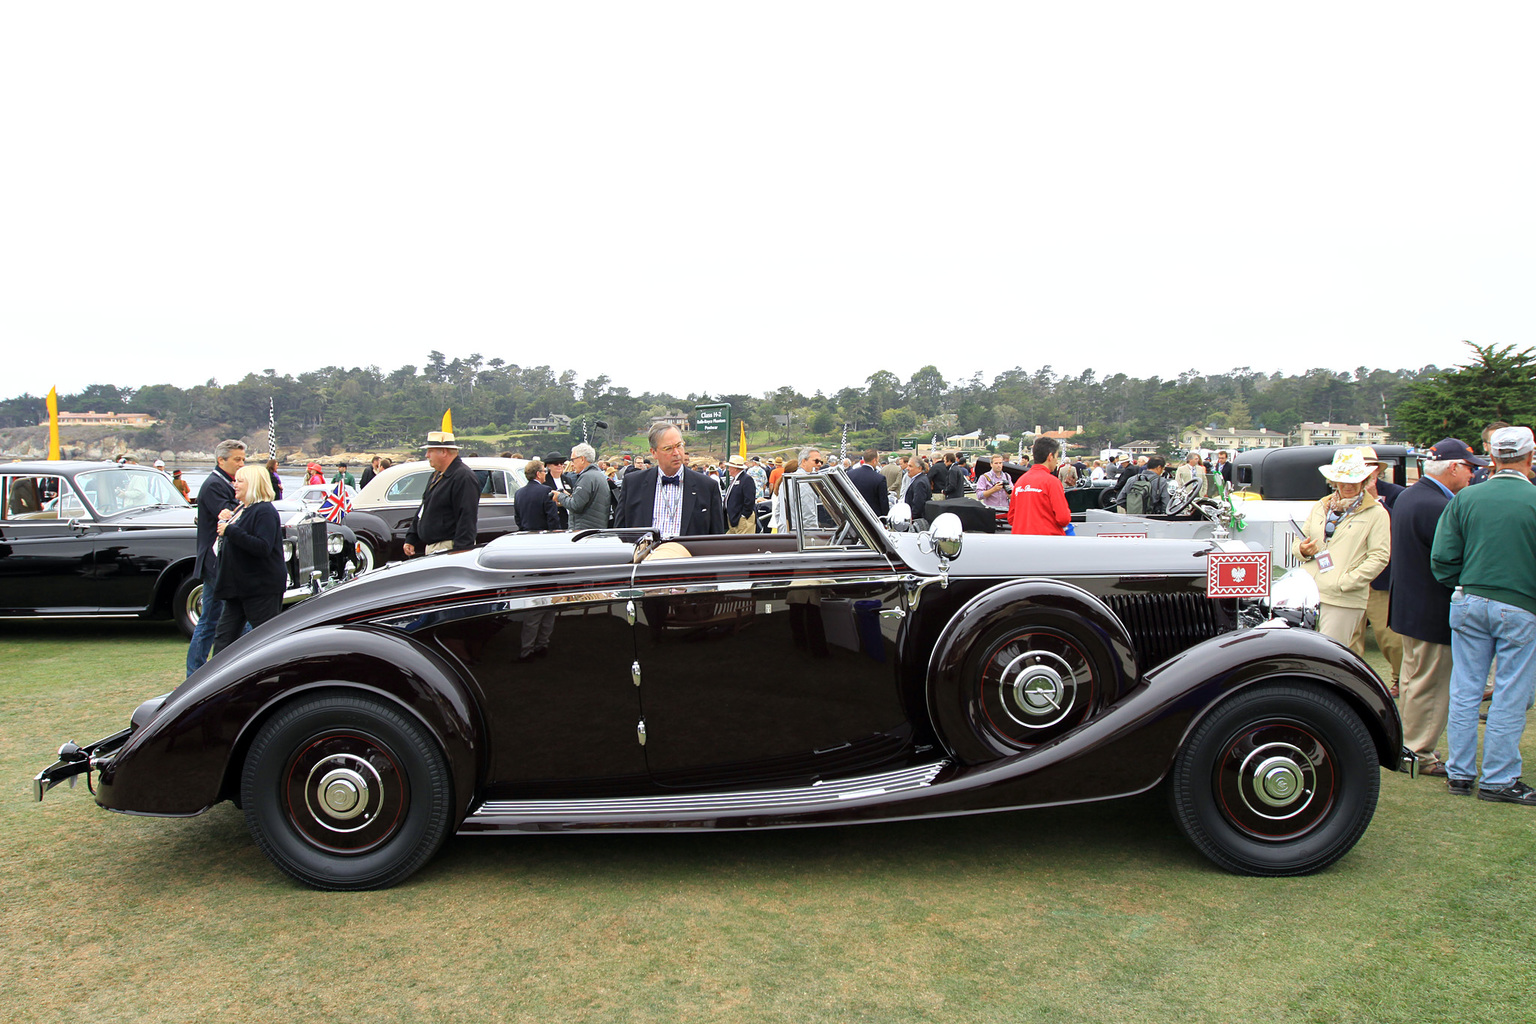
(1516, 792)
(1460, 787)
(1434, 769)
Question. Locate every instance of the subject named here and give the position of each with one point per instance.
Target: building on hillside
(671, 419)
(121, 419)
(550, 424)
(1136, 449)
(1221, 437)
(1338, 433)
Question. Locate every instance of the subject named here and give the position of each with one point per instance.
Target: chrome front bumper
(1408, 762)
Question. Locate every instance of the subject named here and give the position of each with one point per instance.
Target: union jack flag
(337, 503)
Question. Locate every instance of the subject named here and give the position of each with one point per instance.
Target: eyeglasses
(673, 449)
(817, 462)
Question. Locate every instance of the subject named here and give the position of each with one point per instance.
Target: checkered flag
(271, 430)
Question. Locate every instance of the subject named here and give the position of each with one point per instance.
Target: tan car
(395, 494)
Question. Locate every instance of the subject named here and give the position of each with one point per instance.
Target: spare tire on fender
(1023, 663)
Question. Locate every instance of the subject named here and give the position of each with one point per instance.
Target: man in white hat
(1485, 548)
(741, 498)
(450, 509)
(1345, 543)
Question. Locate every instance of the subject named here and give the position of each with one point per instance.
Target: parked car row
(102, 539)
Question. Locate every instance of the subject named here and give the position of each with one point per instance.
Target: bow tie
(672, 481)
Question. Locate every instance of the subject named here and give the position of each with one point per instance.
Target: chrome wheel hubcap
(1034, 686)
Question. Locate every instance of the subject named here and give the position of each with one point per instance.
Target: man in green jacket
(1485, 547)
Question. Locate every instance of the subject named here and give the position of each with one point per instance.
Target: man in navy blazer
(214, 495)
(1420, 610)
(870, 482)
(649, 500)
(740, 498)
(534, 503)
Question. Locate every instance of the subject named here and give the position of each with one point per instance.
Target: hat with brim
(738, 462)
(440, 439)
(554, 459)
(1347, 467)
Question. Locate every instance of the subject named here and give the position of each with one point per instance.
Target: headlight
(334, 544)
(287, 550)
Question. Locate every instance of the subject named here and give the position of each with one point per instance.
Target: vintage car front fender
(190, 755)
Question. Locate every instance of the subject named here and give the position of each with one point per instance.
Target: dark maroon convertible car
(850, 672)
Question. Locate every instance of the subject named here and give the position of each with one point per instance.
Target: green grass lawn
(1099, 913)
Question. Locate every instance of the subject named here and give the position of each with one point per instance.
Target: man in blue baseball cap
(1420, 609)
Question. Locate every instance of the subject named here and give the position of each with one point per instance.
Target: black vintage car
(850, 673)
(97, 538)
(1291, 474)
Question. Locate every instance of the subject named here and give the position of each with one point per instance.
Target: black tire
(187, 604)
(382, 771)
(1277, 780)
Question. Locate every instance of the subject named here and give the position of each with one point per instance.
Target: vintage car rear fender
(953, 698)
(190, 756)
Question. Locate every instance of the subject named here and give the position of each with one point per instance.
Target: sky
(724, 198)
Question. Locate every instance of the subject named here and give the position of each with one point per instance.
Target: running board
(672, 811)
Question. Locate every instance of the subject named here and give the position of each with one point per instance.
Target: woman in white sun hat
(1346, 542)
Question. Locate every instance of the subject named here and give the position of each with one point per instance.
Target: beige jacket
(1361, 548)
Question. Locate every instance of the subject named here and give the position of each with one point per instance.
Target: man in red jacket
(1039, 503)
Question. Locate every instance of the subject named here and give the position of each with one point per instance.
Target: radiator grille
(1162, 625)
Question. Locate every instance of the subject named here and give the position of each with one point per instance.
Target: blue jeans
(202, 635)
(1482, 631)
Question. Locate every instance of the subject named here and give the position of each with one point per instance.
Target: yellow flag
(448, 422)
(743, 437)
(53, 424)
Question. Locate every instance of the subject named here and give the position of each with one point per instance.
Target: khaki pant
(1339, 623)
(1376, 608)
(748, 524)
(1426, 695)
(438, 547)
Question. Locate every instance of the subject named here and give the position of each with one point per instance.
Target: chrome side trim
(478, 606)
(798, 799)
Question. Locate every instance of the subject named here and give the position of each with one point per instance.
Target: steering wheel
(1183, 494)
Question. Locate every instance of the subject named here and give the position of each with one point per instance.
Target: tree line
(366, 408)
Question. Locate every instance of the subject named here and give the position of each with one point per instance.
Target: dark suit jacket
(703, 511)
(450, 510)
(740, 500)
(870, 482)
(1387, 492)
(919, 494)
(1421, 604)
(214, 495)
(252, 562)
(535, 507)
